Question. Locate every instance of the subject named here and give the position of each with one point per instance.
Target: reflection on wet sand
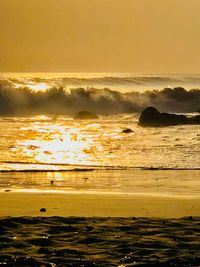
(146, 182)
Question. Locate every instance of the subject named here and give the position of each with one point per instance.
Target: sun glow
(55, 144)
(39, 87)
(34, 86)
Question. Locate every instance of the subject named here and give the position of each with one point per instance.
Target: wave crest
(24, 101)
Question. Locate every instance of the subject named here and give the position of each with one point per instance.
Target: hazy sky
(139, 36)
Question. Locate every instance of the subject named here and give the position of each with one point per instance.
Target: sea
(38, 130)
(44, 146)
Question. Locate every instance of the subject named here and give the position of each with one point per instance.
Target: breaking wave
(24, 101)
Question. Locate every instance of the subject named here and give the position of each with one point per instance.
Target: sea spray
(24, 101)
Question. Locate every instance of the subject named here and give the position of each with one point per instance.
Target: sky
(135, 36)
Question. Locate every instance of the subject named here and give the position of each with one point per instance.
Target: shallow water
(48, 143)
(48, 153)
(75, 241)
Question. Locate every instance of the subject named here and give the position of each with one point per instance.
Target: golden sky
(139, 36)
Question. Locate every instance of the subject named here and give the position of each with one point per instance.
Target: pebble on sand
(127, 130)
(43, 210)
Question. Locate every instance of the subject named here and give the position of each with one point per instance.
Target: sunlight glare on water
(58, 145)
(44, 142)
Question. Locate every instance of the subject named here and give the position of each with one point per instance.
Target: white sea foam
(64, 94)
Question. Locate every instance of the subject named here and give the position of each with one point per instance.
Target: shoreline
(91, 204)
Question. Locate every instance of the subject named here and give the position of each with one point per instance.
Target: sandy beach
(100, 218)
(90, 204)
(59, 228)
(162, 194)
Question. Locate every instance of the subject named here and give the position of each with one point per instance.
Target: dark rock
(195, 119)
(174, 119)
(85, 115)
(127, 130)
(43, 210)
(152, 117)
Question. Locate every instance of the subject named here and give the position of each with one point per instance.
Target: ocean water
(64, 143)
(38, 130)
(104, 94)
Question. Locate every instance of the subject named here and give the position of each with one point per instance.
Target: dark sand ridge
(103, 242)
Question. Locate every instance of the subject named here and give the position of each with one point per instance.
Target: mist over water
(28, 94)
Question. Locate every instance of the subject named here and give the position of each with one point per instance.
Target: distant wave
(116, 80)
(121, 80)
(109, 79)
(23, 101)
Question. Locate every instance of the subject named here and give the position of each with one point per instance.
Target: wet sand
(165, 194)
